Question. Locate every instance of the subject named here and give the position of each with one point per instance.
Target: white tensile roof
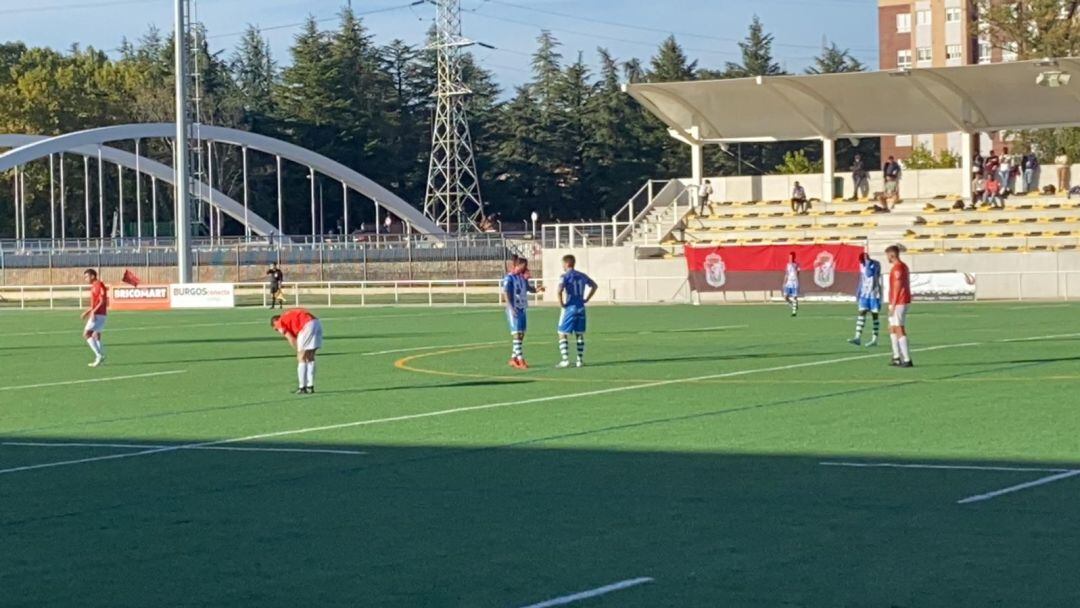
(972, 98)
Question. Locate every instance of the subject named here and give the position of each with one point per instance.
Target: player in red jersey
(304, 332)
(899, 301)
(96, 315)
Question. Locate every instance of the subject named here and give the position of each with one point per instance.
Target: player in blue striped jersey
(791, 284)
(869, 298)
(515, 288)
(573, 298)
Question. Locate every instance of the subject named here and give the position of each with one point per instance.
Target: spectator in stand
(799, 204)
(704, 198)
(978, 190)
(1030, 165)
(1064, 171)
(861, 179)
(995, 196)
(990, 167)
(977, 164)
(1005, 170)
(892, 180)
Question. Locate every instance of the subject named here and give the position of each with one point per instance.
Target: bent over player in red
(305, 333)
(96, 315)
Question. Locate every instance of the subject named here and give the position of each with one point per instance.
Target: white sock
(904, 349)
(100, 347)
(95, 346)
(895, 346)
(311, 374)
(301, 375)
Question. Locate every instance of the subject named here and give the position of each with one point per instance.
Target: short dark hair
(569, 259)
(274, 320)
(91, 272)
(893, 249)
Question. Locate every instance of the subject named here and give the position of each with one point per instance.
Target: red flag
(131, 278)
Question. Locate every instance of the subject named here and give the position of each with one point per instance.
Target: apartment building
(931, 33)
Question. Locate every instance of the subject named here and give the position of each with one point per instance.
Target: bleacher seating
(1028, 223)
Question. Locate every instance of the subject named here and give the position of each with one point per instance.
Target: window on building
(953, 15)
(924, 53)
(985, 52)
(903, 59)
(903, 141)
(922, 17)
(903, 23)
(1009, 52)
(954, 51)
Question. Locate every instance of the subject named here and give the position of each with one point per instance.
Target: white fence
(369, 293)
(1006, 285)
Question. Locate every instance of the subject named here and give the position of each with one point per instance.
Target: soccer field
(705, 456)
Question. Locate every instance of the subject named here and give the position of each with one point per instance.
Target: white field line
(1037, 338)
(941, 467)
(132, 446)
(1018, 487)
(460, 410)
(59, 332)
(92, 380)
(584, 595)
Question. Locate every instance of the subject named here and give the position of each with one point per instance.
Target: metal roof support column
(967, 153)
(828, 157)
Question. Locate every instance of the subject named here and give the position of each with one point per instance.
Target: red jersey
(99, 298)
(899, 285)
(292, 322)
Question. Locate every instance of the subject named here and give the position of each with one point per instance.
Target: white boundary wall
(927, 183)
(998, 276)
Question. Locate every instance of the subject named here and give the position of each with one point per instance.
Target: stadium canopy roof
(974, 98)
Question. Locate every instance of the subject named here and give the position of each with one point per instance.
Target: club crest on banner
(824, 270)
(715, 268)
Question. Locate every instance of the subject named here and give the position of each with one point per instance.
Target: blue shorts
(871, 304)
(518, 321)
(791, 292)
(572, 320)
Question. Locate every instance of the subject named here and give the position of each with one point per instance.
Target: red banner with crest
(822, 268)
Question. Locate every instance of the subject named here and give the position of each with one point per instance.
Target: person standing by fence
(277, 296)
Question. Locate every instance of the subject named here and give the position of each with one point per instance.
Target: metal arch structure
(269, 145)
(156, 170)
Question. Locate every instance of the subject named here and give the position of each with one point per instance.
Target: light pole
(535, 216)
(183, 226)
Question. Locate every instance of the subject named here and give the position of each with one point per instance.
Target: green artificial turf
(688, 450)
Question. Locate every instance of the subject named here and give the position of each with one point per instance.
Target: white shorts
(95, 324)
(898, 315)
(310, 337)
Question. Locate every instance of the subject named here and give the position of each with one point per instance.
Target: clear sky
(708, 29)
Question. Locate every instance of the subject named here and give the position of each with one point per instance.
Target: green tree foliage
(757, 57)
(834, 60)
(1035, 29)
(797, 163)
(569, 144)
(922, 158)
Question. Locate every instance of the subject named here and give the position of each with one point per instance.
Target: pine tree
(670, 63)
(255, 72)
(757, 57)
(834, 60)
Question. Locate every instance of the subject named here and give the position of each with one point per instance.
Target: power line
(655, 29)
(593, 35)
(75, 6)
(285, 26)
